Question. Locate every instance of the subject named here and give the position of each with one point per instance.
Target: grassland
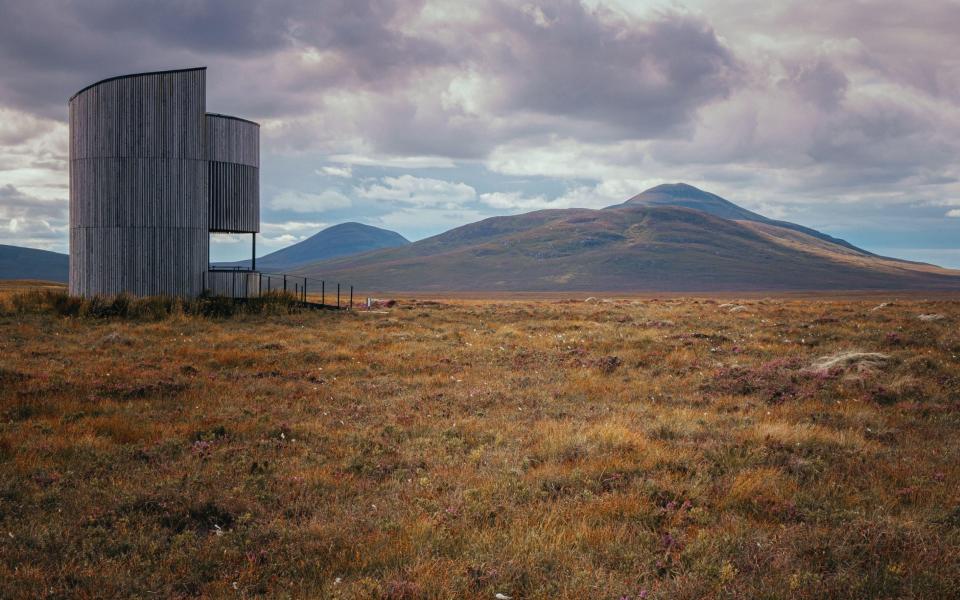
(644, 448)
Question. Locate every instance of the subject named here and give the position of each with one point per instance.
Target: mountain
(29, 263)
(344, 239)
(669, 238)
(687, 196)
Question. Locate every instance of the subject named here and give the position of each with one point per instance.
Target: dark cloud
(49, 50)
(215, 26)
(611, 76)
(819, 81)
(632, 78)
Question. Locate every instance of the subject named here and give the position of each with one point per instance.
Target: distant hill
(686, 196)
(344, 239)
(670, 238)
(30, 263)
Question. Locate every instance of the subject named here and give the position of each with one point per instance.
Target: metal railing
(297, 285)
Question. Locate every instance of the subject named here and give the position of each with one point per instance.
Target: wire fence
(241, 282)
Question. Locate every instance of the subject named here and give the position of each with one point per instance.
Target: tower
(151, 175)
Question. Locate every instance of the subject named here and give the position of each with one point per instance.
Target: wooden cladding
(234, 197)
(138, 192)
(233, 151)
(233, 140)
(144, 261)
(154, 114)
(151, 174)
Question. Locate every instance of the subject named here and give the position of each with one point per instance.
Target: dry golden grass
(538, 449)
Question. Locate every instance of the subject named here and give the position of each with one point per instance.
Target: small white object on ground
(500, 596)
(931, 317)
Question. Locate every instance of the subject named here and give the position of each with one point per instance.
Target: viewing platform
(243, 283)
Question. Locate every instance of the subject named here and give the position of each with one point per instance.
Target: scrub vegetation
(632, 448)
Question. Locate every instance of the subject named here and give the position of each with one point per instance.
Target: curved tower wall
(233, 152)
(139, 214)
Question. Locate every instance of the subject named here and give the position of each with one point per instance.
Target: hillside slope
(646, 245)
(628, 248)
(344, 239)
(687, 196)
(17, 262)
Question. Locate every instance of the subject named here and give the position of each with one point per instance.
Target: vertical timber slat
(151, 174)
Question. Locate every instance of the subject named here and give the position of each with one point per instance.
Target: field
(541, 448)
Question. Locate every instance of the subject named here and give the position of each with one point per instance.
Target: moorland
(676, 447)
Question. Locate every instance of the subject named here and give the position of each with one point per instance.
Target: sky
(420, 116)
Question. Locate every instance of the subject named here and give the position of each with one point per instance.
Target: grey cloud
(588, 72)
(819, 81)
(404, 126)
(218, 26)
(560, 70)
(49, 50)
(17, 203)
(907, 42)
(17, 129)
(32, 221)
(363, 32)
(884, 139)
(632, 78)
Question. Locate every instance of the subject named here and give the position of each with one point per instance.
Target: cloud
(820, 81)
(796, 107)
(419, 222)
(18, 127)
(955, 212)
(514, 201)
(418, 191)
(50, 50)
(345, 172)
(603, 194)
(28, 220)
(288, 227)
(567, 158)
(303, 202)
(626, 77)
(396, 162)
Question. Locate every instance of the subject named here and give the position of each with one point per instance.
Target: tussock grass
(665, 448)
(57, 302)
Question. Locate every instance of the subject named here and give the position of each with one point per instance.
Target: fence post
(351, 297)
(259, 285)
(268, 284)
(338, 295)
(234, 284)
(284, 283)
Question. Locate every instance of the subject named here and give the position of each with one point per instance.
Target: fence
(239, 282)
